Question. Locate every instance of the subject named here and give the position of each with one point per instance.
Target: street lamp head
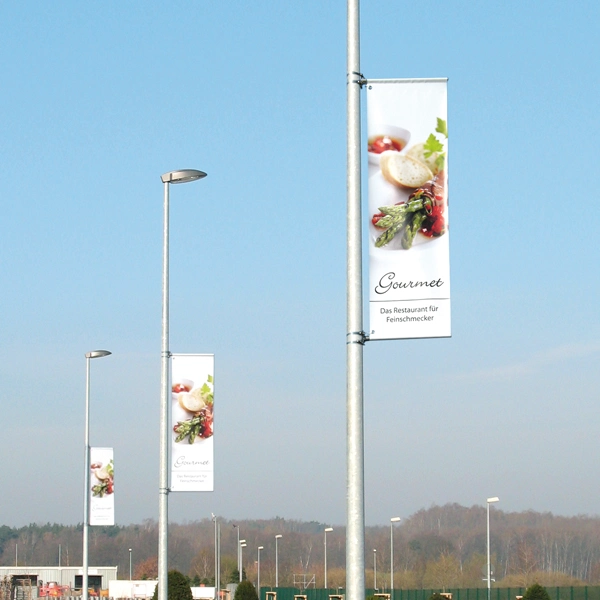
(395, 519)
(97, 353)
(278, 536)
(260, 547)
(182, 176)
(328, 528)
(494, 499)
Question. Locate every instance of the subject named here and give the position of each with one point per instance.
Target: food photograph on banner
(408, 228)
(102, 486)
(192, 409)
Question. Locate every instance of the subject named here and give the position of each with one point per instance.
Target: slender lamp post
(130, 569)
(238, 547)
(242, 546)
(392, 521)
(241, 543)
(163, 487)
(217, 583)
(258, 572)
(325, 545)
(277, 537)
(86, 476)
(219, 563)
(355, 337)
(375, 569)
(489, 567)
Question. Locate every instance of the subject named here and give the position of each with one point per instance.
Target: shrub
(245, 591)
(536, 592)
(178, 587)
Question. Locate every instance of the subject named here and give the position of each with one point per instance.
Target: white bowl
(186, 385)
(397, 134)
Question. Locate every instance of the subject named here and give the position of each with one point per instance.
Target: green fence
(556, 593)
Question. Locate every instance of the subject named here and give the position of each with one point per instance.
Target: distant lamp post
(238, 549)
(130, 570)
(489, 565)
(168, 179)
(242, 546)
(277, 538)
(375, 569)
(217, 570)
(258, 572)
(392, 521)
(325, 546)
(86, 476)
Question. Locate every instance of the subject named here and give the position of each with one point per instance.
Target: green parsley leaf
(432, 145)
(442, 127)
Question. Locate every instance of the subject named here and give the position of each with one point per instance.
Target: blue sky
(100, 99)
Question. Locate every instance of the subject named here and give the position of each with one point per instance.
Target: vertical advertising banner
(192, 407)
(409, 257)
(102, 487)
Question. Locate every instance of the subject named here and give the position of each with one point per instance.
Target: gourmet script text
(387, 283)
(183, 462)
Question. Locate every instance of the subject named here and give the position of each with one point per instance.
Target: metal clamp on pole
(362, 81)
(362, 338)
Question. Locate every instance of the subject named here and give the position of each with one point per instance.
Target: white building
(71, 577)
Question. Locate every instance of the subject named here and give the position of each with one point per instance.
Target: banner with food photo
(192, 392)
(102, 486)
(409, 255)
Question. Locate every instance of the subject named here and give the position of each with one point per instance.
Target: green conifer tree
(245, 591)
(536, 592)
(178, 587)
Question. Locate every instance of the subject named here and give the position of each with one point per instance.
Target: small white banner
(192, 409)
(102, 486)
(409, 266)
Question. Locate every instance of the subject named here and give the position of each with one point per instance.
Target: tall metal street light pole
(130, 565)
(325, 553)
(238, 546)
(375, 569)
(219, 563)
(217, 582)
(392, 521)
(86, 475)
(355, 336)
(242, 546)
(277, 538)
(258, 572)
(183, 176)
(489, 567)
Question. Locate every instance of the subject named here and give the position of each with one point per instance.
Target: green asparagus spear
(412, 228)
(388, 235)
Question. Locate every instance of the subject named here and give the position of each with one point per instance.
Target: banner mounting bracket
(362, 338)
(361, 81)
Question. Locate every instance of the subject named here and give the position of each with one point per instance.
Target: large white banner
(409, 257)
(192, 409)
(102, 486)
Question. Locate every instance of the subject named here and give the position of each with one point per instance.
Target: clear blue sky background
(99, 99)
